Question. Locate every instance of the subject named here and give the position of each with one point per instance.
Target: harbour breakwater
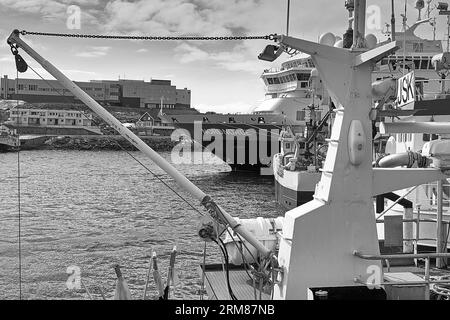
(97, 143)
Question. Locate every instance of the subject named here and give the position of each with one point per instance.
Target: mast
(405, 19)
(393, 20)
(288, 16)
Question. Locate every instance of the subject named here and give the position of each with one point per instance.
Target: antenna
(432, 20)
(288, 15)
(393, 20)
(420, 4)
(405, 19)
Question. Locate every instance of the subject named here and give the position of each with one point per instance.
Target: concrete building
(126, 93)
(142, 94)
(38, 90)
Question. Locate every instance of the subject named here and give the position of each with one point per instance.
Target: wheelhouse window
(301, 115)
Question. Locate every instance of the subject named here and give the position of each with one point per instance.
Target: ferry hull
(243, 147)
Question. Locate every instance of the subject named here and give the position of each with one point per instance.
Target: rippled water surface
(96, 209)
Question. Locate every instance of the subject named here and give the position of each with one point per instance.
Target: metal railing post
(427, 278)
(416, 245)
(440, 237)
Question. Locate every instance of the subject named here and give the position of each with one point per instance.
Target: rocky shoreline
(99, 143)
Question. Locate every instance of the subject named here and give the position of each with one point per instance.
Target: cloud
(241, 57)
(6, 58)
(47, 8)
(52, 10)
(94, 52)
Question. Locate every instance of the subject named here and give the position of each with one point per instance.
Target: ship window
(301, 115)
(424, 64)
(276, 80)
(261, 120)
(293, 77)
(303, 77)
(269, 80)
(303, 84)
(418, 47)
(231, 120)
(417, 64)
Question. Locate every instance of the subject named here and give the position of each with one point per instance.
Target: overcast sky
(223, 76)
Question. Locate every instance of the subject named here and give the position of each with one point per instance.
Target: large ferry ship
(248, 142)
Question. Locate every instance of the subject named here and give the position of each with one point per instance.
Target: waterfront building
(152, 94)
(38, 90)
(126, 93)
(43, 121)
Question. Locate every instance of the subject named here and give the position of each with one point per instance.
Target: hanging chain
(155, 38)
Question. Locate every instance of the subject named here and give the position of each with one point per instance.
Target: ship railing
(431, 200)
(418, 221)
(428, 280)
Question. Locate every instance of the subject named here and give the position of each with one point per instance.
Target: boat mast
(288, 16)
(405, 19)
(393, 20)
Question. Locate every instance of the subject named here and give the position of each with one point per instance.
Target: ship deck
(403, 270)
(216, 284)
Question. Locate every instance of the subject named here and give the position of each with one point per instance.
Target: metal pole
(427, 278)
(448, 33)
(184, 182)
(359, 24)
(393, 21)
(440, 236)
(395, 203)
(288, 16)
(416, 246)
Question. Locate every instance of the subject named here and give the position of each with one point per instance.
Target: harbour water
(91, 210)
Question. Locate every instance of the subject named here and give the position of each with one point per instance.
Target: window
(276, 80)
(417, 64)
(303, 77)
(33, 87)
(20, 87)
(424, 64)
(301, 115)
(418, 47)
(269, 80)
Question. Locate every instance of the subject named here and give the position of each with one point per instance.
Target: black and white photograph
(224, 158)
